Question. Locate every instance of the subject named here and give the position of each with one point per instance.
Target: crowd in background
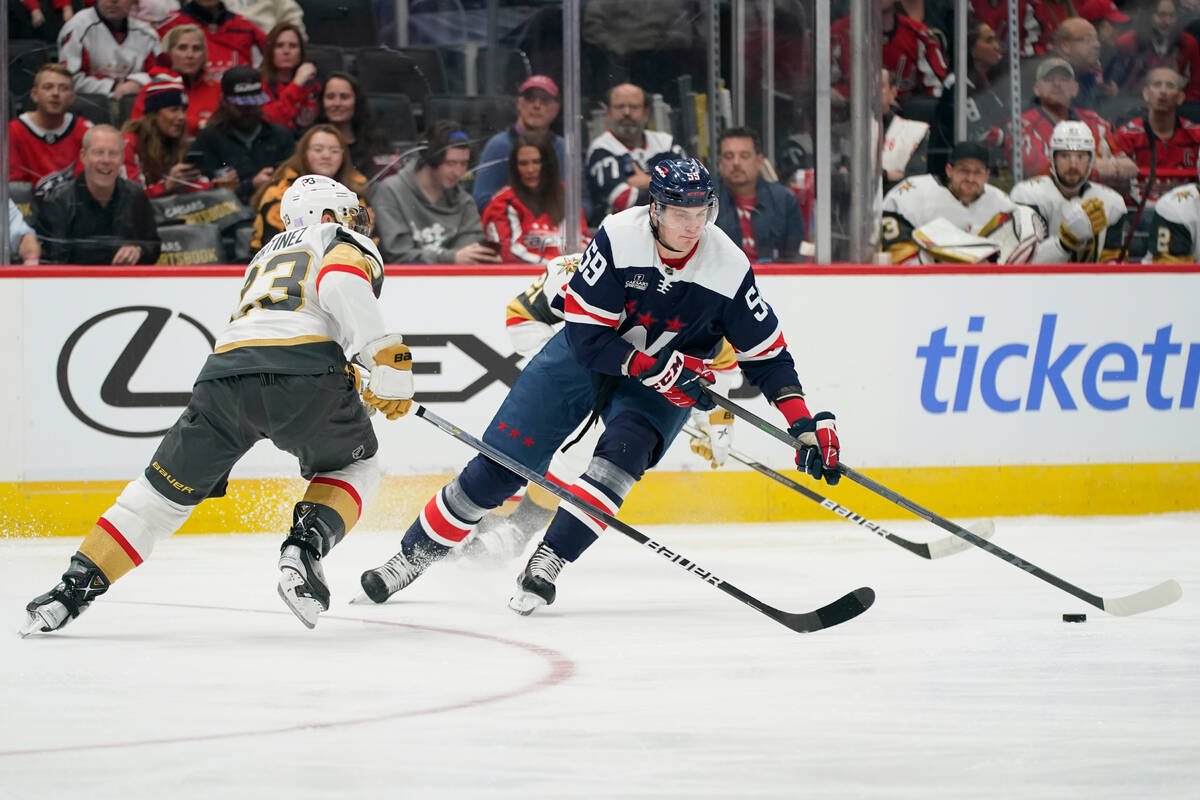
(160, 132)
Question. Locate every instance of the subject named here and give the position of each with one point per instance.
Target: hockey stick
(1158, 596)
(845, 608)
(931, 550)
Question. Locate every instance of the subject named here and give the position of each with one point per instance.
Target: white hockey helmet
(1076, 136)
(311, 196)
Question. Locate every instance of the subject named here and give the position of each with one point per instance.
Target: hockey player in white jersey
(964, 199)
(280, 370)
(1175, 227)
(531, 319)
(1086, 220)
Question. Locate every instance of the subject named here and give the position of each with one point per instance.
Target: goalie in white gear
(1175, 227)
(964, 199)
(280, 370)
(531, 319)
(1085, 220)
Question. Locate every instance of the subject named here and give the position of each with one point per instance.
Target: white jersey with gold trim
(1175, 227)
(922, 199)
(308, 291)
(1043, 195)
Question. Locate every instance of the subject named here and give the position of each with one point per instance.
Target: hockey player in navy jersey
(279, 371)
(656, 291)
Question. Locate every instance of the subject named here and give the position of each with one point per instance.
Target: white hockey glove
(717, 439)
(390, 388)
(1081, 223)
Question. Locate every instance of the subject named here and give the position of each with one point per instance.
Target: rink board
(976, 393)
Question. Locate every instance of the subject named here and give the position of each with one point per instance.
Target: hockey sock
(535, 510)
(443, 523)
(573, 530)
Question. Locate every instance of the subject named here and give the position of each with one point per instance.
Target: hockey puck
(1074, 617)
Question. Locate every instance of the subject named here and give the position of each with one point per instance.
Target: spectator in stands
(320, 151)
(1049, 16)
(238, 149)
(994, 14)
(537, 106)
(988, 117)
(526, 219)
(423, 214)
(1161, 138)
(1076, 42)
(905, 141)
(98, 217)
(289, 80)
(22, 241)
(909, 50)
(156, 144)
(340, 107)
(44, 144)
(760, 216)
(233, 40)
(151, 12)
(107, 51)
(1054, 92)
(187, 51)
(620, 159)
(266, 14)
(1157, 41)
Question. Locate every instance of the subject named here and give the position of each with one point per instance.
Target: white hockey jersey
(97, 61)
(1043, 195)
(309, 301)
(1175, 227)
(922, 199)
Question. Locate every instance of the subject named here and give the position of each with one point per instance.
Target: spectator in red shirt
(232, 39)
(526, 218)
(1054, 92)
(289, 79)
(1161, 138)
(1050, 14)
(909, 50)
(187, 54)
(760, 216)
(156, 144)
(995, 14)
(1158, 41)
(44, 144)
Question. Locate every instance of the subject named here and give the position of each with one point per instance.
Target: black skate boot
(535, 586)
(315, 530)
(82, 583)
(400, 570)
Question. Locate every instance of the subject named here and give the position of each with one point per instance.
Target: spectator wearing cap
(537, 106)
(1157, 40)
(186, 51)
(156, 144)
(620, 159)
(423, 213)
(97, 217)
(289, 79)
(238, 149)
(963, 197)
(232, 39)
(1054, 92)
(107, 51)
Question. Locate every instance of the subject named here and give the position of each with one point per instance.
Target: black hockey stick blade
(1158, 596)
(941, 548)
(845, 608)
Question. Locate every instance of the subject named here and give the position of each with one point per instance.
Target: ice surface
(191, 679)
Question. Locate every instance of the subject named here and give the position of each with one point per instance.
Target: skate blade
(305, 608)
(525, 603)
(33, 624)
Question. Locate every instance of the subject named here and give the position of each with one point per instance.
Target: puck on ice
(1074, 617)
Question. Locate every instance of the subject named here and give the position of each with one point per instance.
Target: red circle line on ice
(560, 668)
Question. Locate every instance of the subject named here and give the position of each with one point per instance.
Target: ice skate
(500, 542)
(301, 578)
(384, 581)
(535, 586)
(82, 583)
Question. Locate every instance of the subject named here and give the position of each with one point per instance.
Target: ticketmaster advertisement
(940, 372)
